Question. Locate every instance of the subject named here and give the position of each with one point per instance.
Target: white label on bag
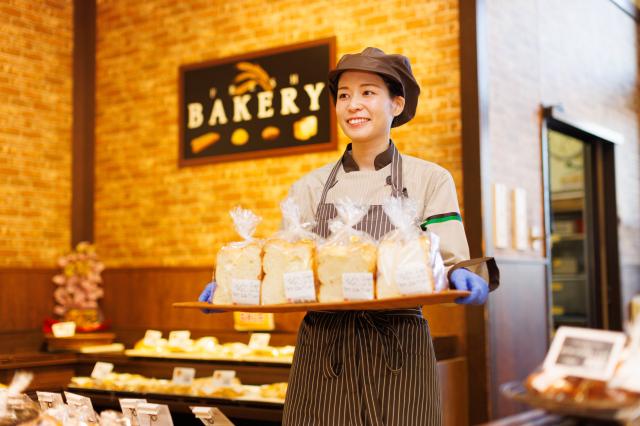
(49, 400)
(129, 407)
(245, 292)
(151, 337)
(179, 337)
(64, 329)
(357, 285)
(223, 377)
(412, 278)
(299, 286)
(259, 340)
(183, 375)
(101, 370)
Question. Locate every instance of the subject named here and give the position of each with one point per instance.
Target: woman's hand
(463, 279)
(207, 296)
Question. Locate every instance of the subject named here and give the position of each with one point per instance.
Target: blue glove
(207, 295)
(463, 279)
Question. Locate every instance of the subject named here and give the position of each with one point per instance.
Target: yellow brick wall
(35, 131)
(149, 212)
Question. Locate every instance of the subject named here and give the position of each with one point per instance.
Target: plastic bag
(239, 264)
(409, 260)
(347, 259)
(289, 260)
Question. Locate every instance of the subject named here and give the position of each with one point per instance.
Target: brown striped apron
(362, 368)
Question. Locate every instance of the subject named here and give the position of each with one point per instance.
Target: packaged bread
(239, 264)
(405, 255)
(290, 252)
(347, 259)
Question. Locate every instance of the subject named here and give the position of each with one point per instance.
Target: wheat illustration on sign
(251, 76)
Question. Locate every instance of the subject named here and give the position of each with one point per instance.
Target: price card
(245, 292)
(64, 329)
(101, 370)
(179, 337)
(299, 286)
(412, 278)
(49, 400)
(183, 375)
(357, 285)
(154, 414)
(223, 377)
(259, 340)
(129, 407)
(587, 353)
(211, 416)
(151, 337)
(79, 402)
(250, 321)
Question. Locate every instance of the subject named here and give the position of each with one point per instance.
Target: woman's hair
(395, 89)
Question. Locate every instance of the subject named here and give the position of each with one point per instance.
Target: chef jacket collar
(382, 160)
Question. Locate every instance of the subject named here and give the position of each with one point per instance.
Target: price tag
(64, 329)
(412, 278)
(49, 400)
(299, 286)
(129, 407)
(357, 285)
(259, 340)
(101, 370)
(179, 337)
(586, 353)
(151, 337)
(250, 321)
(183, 375)
(223, 377)
(79, 402)
(211, 416)
(154, 414)
(245, 292)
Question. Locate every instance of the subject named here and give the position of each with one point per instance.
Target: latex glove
(463, 279)
(207, 295)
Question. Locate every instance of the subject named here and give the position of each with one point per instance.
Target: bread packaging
(406, 258)
(239, 264)
(347, 259)
(289, 254)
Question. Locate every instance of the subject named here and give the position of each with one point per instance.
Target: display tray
(448, 296)
(252, 396)
(600, 410)
(205, 357)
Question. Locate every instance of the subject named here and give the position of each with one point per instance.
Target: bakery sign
(262, 104)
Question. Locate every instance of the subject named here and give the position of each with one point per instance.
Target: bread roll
(280, 257)
(394, 255)
(244, 262)
(336, 259)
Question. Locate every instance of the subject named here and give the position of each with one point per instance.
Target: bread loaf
(239, 262)
(397, 255)
(280, 257)
(337, 259)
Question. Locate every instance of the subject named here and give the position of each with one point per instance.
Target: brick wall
(150, 212)
(35, 131)
(583, 55)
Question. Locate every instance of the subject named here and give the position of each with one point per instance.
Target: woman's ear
(397, 105)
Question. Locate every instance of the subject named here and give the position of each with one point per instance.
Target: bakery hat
(396, 67)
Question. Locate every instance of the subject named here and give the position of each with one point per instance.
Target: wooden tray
(448, 296)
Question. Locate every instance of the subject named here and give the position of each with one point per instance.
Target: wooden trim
(83, 140)
(477, 211)
(628, 7)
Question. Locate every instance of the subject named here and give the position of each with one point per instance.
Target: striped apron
(368, 368)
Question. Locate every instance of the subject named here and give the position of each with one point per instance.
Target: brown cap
(396, 67)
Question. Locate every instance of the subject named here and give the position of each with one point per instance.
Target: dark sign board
(262, 104)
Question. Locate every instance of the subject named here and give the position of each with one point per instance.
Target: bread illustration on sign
(290, 251)
(239, 264)
(347, 260)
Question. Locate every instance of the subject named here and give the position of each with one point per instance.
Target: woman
(375, 367)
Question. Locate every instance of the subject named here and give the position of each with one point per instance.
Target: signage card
(299, 286)
(129, 407)
(223, 377)
(259, 340)
(245, 292)
(253, 321)
(357, 285)
(183, 375)
(154, 414)
(412, 278)
(101, 370)
(64, 329)
(211, 416)
(49, 400)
